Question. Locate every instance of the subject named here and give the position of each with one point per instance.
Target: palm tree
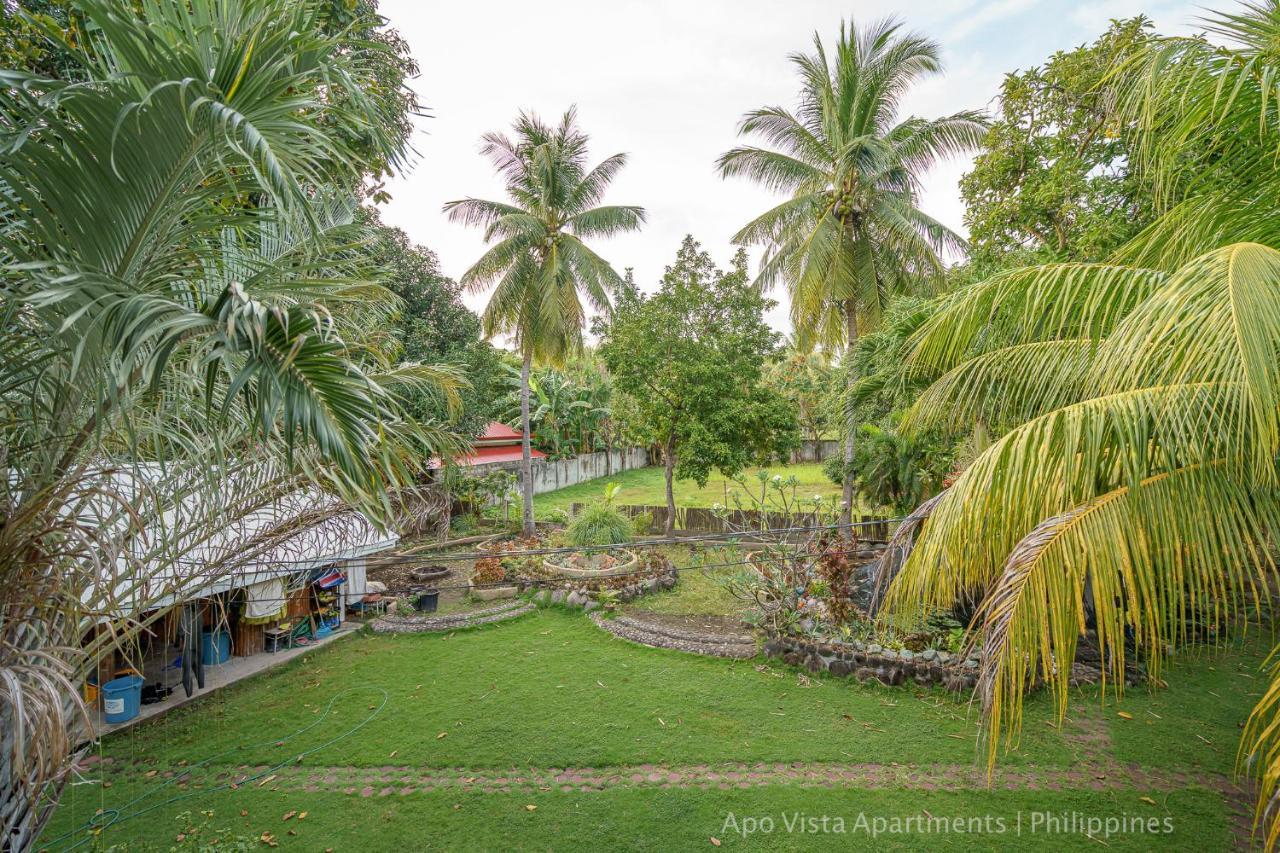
(179, 288)
(1133, 481)
(539, 260)
(851, 233)
(1134, 485)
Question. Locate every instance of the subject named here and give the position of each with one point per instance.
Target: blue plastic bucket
(215, 647)
(121, 698)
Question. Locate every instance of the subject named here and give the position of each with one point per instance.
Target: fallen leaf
(301, 815)
(289, 814)
(150, 773)
(1126, 715)
(715, 841)
(266, 780)
(393, 753)
(662, 722)
(442, 735)
(1148, 800)
(244, 813)
(531, 807)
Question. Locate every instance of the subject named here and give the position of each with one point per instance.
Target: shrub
(488, 570)
(599, 524)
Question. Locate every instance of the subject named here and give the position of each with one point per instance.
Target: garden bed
(591, 565)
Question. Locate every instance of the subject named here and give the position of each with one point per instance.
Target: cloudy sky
(667, 80)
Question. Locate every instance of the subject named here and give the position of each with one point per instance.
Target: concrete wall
(816, 451)
(549, 475)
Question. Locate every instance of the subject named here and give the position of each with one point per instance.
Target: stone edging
(713, 645)
(872, 662)
(586, 593)
(419, 624)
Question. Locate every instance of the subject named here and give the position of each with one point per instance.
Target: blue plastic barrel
(215, 647)
(121, 698)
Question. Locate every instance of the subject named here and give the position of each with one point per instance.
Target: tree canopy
(1054, 179)
(688, 362)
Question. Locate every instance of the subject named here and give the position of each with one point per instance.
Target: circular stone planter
(572, 570)
(427, 574)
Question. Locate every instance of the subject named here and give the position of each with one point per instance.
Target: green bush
(599, 524)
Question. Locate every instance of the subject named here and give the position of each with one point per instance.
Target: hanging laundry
(264, 602)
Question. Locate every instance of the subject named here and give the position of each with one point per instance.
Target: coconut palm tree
(539, 259)
(1133, 481)
(851, 232)
(178, 290)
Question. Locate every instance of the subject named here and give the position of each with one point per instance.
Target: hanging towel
(264, 602)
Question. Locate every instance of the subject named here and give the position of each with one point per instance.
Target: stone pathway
(1094, 775)
(417, 624)
(739, 646)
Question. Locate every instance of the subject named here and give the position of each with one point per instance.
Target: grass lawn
(646, 487)
(456, 736)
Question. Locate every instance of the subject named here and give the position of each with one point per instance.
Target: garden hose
(105, 818)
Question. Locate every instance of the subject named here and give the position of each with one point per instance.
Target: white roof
(171, 555)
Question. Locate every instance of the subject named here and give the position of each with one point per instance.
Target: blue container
(215, 647)
(121, 698)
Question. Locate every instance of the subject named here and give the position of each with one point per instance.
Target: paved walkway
(219, 676)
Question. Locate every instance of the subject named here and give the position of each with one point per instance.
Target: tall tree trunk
(526, 456)
(669, 466)
(851, 330)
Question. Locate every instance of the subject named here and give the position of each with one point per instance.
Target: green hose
(110, 817)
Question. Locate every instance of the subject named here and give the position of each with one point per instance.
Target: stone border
(577, 573)
(587, 592)
(423, 624)
(661, 637)
(872, 662)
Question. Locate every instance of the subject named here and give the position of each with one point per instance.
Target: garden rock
(929, 654)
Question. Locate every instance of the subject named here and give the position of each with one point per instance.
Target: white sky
(667, 81)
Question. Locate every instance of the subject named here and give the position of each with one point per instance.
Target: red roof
(498, 433)
(489, 455)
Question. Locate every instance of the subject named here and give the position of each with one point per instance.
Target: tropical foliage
(807, 381)
(851, 232)
(570, 409)
(687, 364)
(539, 263)
(1131, 486)
(1054, 181)
(180, 295)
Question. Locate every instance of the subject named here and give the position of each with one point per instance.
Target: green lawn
(645, 486)
(552, 691)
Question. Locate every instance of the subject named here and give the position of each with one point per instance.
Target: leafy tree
(177, 288)
(1053, 181)
(539, 259)
(851, 232)
(43, 37)
(1205, 128)
(434, 326)
(688, 362)
(805, 380)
